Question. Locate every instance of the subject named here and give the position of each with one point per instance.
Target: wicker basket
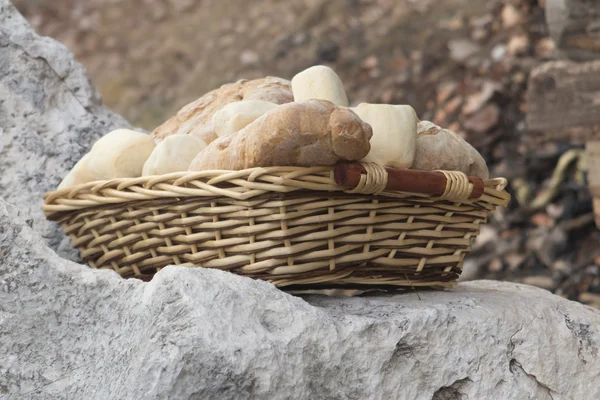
(295, 227)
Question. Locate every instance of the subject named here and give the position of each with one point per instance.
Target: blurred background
(517, 78)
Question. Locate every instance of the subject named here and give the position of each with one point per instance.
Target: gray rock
(49, 117)
(70, 332)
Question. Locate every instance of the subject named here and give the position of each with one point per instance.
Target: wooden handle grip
(405, 180)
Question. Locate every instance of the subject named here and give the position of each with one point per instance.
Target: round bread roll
(442, 149)
(120, 154)
(235, 116)
(79, 174)
(173, 154)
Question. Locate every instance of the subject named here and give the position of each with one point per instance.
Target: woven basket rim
(240, 185)
(286, 225)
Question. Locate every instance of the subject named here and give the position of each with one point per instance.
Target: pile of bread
(274, 122)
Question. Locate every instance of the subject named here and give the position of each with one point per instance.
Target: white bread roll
(120, 154)
(394, 134)
(235, 116)
(173, 154)
(79, 174)
(320, 83)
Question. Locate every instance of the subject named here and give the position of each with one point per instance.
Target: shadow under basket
(350, 225)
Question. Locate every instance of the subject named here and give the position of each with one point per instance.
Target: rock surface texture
(49, 118)
(71, 332)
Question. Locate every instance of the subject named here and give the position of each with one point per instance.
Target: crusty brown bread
(196, 117)
(310, 133)
(442, 149)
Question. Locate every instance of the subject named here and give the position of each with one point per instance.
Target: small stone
(299, 38)
(544, 282)
(440, 117)
(370, 62)
(455, 126)
(453, 105)
(544, 48)
(553, 246)
(498, 52)
(518, 45)
(482, 21)
(328, 50)
(479, 34)
(461, 49)
(248, 57)
(484, 120)
(514, 261)
(454, 23)
(510, 16)
(387, 96)
(535, 238)
(470, 269)
(375, 73)
(555, 210)
(495, 265)
(487, 234)
(477, 100)
(445, 90)
(542, 219)
(562, 266)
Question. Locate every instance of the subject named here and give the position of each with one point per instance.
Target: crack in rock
(543, 392)
(583, 334)
(456, 391)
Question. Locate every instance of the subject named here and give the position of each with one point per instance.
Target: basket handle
(446, 184)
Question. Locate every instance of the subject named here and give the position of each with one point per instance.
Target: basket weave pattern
(286, 225)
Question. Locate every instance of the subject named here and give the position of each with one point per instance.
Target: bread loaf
(319, 82)
(196, 117)
(118, 154)
(310, 133)
(394, 133)
(442, 149)
(173, 154)
(78, 175)
(235, 116)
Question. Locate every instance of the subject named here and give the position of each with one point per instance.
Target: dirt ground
(462, 64)
(149, 57)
